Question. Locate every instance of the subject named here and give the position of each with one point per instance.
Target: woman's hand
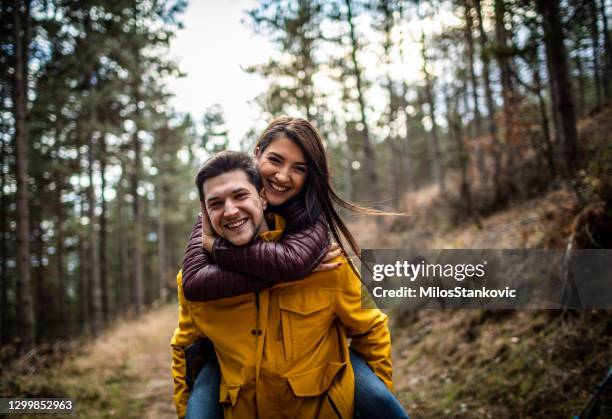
(208, 234)
(334, 251)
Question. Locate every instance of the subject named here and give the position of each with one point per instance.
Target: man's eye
(242, 196)
(213, 205)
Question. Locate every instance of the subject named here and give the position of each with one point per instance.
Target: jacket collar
(279, 226)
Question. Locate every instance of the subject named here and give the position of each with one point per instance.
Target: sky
(215, 45)
(211, 49)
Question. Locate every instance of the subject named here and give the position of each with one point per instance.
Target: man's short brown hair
(227, 161)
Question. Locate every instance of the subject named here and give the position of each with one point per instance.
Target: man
(283, 351)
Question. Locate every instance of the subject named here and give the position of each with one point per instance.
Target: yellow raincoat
(283, 352)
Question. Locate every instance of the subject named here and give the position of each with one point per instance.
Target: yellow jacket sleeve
(185, 334)
(370, 336)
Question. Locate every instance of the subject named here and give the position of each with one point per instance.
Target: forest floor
(465, 363)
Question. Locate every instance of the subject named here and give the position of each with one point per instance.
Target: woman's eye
(274, 159)
(300, 169)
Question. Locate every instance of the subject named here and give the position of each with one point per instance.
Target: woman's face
(283, 170)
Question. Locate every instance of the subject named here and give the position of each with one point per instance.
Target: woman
(294, 169)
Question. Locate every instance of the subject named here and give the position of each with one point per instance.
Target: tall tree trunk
(368, 152)
(456, 134)
(25, 306)
(395, 164)
(477, 131)
(62, 284)
(436, 154)
(103, 233)
(537, 79)
(124, 282)
(4, 279)
(486, 75)
(508, 93)
(93, 251)
(161, 245)
(138, 277)
(43, 324)
(469, 40)
(595, 42)
(406, 147)
(85, 321)
(607, 46)
(581, 95)
(556, 57)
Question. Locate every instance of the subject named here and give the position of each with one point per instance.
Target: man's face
(234, 206)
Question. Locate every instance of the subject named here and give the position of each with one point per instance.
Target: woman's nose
(281, 177)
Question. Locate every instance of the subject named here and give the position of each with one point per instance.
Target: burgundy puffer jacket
(232, 271)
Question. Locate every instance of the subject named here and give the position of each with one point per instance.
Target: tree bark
(4, 279)
(556, 57)
(406, 159)
(537, 79)
(581, 88)
(103, 234)
(395, 165)
(607, 46)
(138, 277)
(83, 251)
(455, 133)
(368, 152)
(161, 245)
(508, 92)
(477, 131)
(62, 285)
(595, 42)
(24, 288)
(486, 75)
(93, 251)
(436, 154)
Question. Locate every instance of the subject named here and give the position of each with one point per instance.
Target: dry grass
(474, 363)
(124, 373)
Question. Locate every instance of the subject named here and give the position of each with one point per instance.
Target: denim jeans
(204, 397)
(372, 397)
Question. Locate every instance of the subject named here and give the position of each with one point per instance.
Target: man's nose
(230, 209)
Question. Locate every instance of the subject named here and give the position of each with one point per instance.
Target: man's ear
(262, 196)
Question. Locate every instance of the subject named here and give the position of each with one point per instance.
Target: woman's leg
(372, 397)
(204, 398)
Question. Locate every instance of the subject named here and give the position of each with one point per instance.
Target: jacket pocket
(320, 382)
(316, 381)
(228, 394)
(304, 315)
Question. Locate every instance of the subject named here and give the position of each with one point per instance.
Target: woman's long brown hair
(318, 195)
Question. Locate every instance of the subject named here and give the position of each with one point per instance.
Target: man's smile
(235, 225)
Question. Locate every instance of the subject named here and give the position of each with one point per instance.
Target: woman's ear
(264, 200)
(256, 152)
